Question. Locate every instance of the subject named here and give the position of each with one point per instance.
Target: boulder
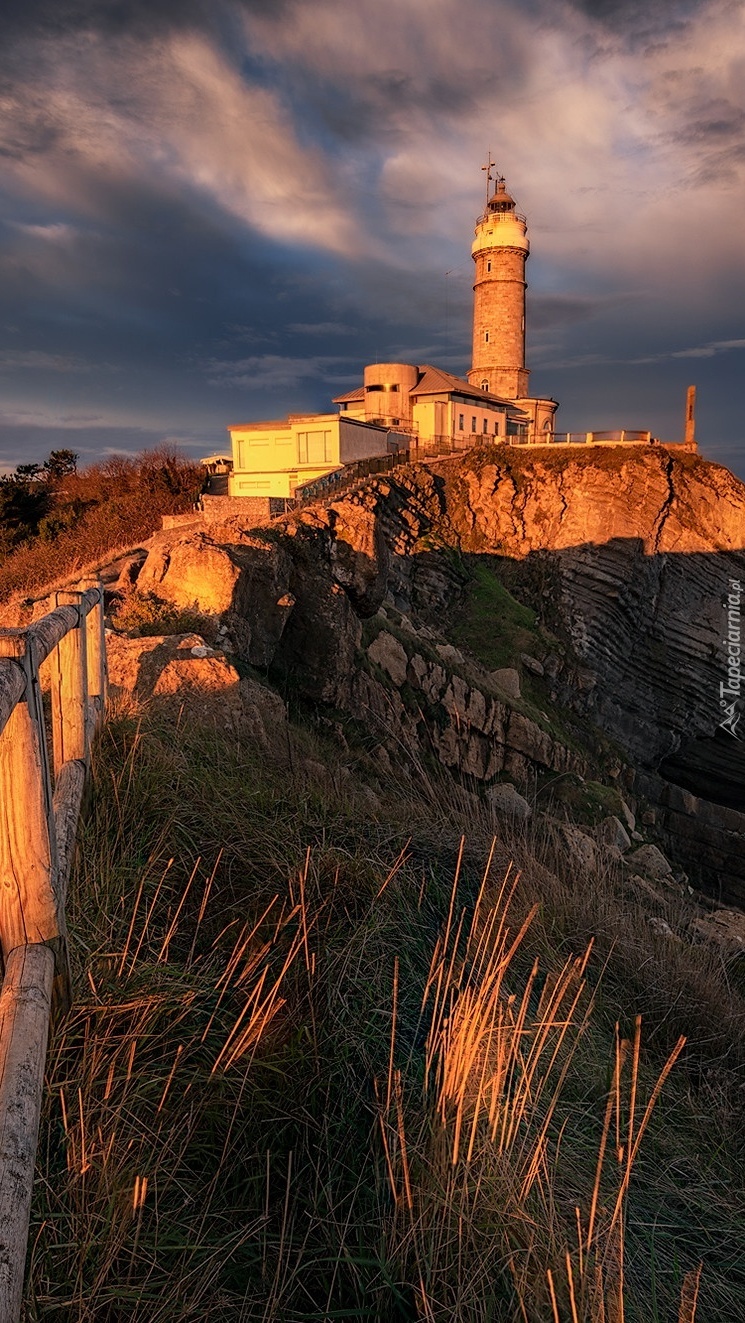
(629, 817)
(250, 581)
(508, 802)
(129, 572)
(193, 572)
(265, 717)
(390, 655)
(508, 680)
(532, 664)
(725, 927)
(662, 928)
(580, 845)
(648, 859)
(450, 655)
(611, 831)
(178, 670)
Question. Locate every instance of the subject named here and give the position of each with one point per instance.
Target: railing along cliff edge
(39, 810)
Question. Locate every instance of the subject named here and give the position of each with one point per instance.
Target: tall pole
(489, 175)
(690, 432)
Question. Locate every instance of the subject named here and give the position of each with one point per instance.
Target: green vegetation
(587, 801)
(55, 519)
(492, 624)
(324, 1062)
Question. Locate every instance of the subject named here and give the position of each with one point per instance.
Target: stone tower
(500, 251)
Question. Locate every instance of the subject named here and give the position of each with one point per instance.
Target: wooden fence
(39, 810)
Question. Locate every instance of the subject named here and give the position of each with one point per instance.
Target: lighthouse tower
(500, 251)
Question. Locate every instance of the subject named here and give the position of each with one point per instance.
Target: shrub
(142, 615)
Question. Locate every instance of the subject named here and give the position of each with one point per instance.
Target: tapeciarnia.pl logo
(730, 691)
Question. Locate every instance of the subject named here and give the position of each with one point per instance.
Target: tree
(60, 464)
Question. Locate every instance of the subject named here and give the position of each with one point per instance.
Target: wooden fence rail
(39, 810)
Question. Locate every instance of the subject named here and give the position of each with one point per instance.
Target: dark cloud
(547, 311)
(138, 17)
(637, 18)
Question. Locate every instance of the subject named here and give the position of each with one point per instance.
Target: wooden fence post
(30, 909)
(69, 676)
(96, 652)
(25, 1003)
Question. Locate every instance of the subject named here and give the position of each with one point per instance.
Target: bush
(142, 615)
(57, 520)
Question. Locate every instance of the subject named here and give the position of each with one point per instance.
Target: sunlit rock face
(626, 554)
(523, 501)
(629, 553)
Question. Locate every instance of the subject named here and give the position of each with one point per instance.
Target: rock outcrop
(624, 553)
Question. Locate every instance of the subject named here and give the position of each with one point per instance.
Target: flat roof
(276, 423)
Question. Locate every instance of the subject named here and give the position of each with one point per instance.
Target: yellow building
(272, 458)
(436, 409)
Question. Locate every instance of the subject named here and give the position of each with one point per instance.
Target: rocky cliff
(620, 561)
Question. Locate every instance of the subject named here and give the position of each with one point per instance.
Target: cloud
(83, 118)
(320, 328)
(37, 360)
(548, 311)
(709, 350)
(273, 371)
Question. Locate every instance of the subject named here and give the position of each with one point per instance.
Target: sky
(213, 211)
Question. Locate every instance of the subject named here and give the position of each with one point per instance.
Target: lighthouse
(500, 251)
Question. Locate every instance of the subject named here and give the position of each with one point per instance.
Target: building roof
(351, 396)
(436, 381)
(277, 424)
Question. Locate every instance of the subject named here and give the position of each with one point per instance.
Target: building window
(488, 266)
(461, 422)
(473, 423)
(314, 447)
(496, 427)
(485, 385)
(486, 337)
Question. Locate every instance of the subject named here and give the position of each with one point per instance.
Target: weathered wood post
(96, 652)
(37, 835)
(69, 676)
(29, 908)
(25, 1004)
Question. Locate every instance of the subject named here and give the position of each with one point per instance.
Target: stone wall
(255, 510)
(181, 520)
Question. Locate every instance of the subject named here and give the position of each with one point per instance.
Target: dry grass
(481, 1189)
(254, 950)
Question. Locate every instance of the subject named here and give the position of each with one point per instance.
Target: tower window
(488, 266)
(485, 385)
(486, 337)
(461, 422)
